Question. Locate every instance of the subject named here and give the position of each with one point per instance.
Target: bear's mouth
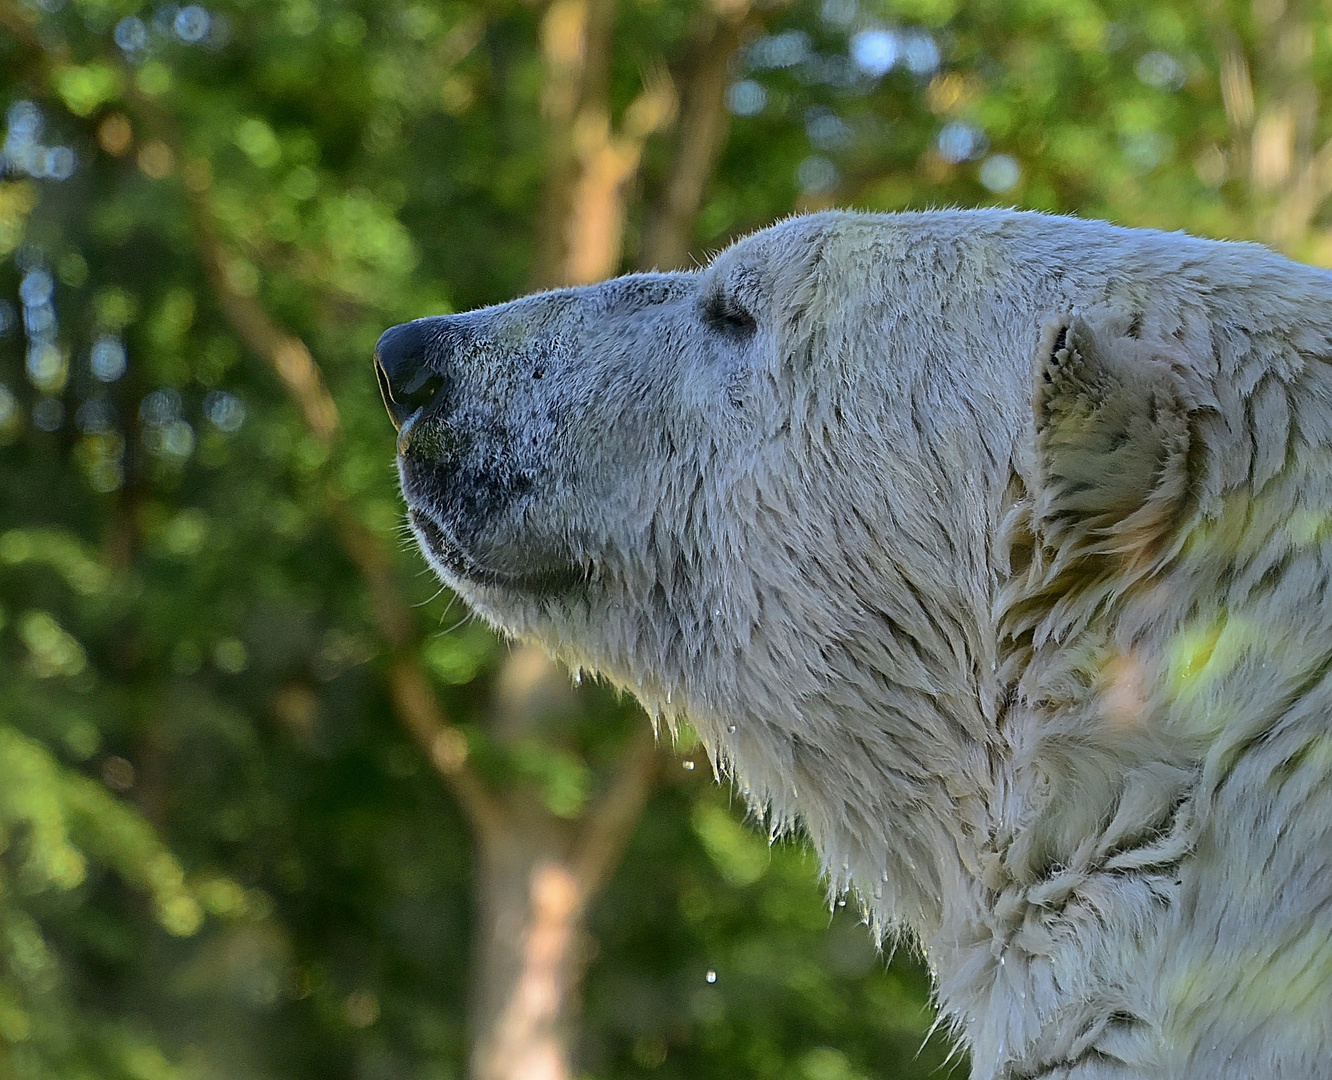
(458, 566)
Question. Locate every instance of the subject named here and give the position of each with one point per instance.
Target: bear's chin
(463, 571)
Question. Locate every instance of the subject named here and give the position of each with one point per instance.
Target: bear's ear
(1112, 437)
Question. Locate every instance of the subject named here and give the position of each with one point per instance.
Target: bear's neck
(886, 821)
(1011, 806)
(1160, 755)
(885, 750)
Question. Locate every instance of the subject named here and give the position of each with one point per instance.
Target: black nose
(405, 378)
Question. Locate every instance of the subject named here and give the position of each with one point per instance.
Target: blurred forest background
(272, 806)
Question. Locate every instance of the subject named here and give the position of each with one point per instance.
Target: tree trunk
(575, 52)
(529, 954)
(536, 875)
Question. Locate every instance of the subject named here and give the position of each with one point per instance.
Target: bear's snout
(474, 444)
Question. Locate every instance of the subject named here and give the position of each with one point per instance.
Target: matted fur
(992, 547)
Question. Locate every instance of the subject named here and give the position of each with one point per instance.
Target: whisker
(433, 597)
(448, 607)
(460, 623)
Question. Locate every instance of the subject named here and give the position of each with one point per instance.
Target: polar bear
(993, 547)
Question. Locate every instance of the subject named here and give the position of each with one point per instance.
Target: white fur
(1007, 576)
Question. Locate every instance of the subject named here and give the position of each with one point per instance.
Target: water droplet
(689, 765)
(668, 697)
(711, 976)
(730, 729)
(841, 901)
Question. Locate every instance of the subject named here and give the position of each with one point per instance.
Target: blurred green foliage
(220, 856)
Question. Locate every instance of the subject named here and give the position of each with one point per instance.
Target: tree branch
(610, 821)
(607, 162)
(414, 698)
(703, 128)
(286, 353)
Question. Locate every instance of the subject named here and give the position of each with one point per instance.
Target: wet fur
(996, 552)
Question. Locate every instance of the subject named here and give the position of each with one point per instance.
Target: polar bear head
(718, 487)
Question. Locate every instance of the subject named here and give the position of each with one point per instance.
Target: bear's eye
(725, 314)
